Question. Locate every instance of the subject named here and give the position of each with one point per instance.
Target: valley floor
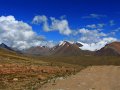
(91, 78)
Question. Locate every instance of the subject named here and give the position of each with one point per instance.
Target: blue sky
(97, 16)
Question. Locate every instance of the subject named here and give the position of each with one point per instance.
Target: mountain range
(66, 48)
(110, 49)
(4, 46)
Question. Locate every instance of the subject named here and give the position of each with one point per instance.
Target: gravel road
(91, 78)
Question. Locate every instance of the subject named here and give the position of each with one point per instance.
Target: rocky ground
(29, 77)
(91, 78)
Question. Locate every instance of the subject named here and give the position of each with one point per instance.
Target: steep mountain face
(78, 44)
(66, 48)
(112, 49)
(3, 46)
(39, 50)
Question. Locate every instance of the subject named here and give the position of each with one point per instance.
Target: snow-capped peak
(62, 43)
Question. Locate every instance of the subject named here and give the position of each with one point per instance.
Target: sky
(26, 23)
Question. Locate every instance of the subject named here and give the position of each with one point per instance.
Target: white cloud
(93, 39)
(17, 34)
(90, 36)
(98, 45)
(39, 19)
(100, 25)
(96, 16)
(47, 43)
(56, 25)
(91, 26)
(96, 26)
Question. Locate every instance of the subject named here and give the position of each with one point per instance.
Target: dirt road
(91, 78)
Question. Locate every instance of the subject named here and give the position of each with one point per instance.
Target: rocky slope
(110, 49)
(39, 50)
(4, 46)
(66, 48)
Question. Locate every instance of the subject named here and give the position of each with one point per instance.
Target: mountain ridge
(110, 49)
(66, 48)
(4, 46)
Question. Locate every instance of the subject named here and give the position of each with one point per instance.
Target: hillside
(4, 46)
(112, 49)
(66, 48)
(19, 71)
(39, 50)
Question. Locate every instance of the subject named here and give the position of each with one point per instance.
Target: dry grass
(20, 72)
(85, 60)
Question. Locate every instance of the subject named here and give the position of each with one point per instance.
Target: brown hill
(65, 48)
(4, 46)
(68, 49)
(39, 50)
(110, 49)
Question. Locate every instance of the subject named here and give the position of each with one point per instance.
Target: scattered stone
(15, 79)
(40, 77)
(61, 78)
(1, 65)
(44, 71)
(43, 82)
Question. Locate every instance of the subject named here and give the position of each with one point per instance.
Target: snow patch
(71, 42)
(62, 43)
(96, 46)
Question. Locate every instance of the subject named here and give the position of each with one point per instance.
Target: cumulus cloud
(90, 36)
(93, 39)
(98, 45)
(100, 25)
(18, 34)
(96, 16)
(95, 26)
(39, 19)
(50, 44)
(55, 24)
(91, 26)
